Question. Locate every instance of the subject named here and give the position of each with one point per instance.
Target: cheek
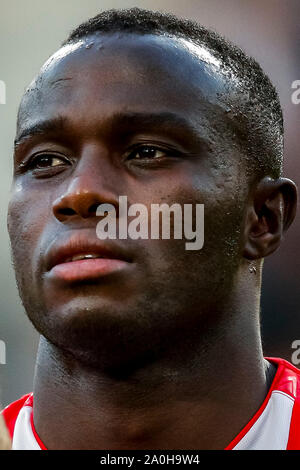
(223, 216)
(25, 221)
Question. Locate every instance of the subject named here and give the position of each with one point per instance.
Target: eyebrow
(129, 122)
(48, 126)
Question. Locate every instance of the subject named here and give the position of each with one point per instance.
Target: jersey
(275, 425)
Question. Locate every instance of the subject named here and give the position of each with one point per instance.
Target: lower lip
(86, 269)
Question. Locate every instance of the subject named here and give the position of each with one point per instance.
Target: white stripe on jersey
(271, 430)
(23, 438)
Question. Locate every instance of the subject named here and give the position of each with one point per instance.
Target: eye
(43, 161)
(147, 152)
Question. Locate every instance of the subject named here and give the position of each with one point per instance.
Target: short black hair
(259, 107)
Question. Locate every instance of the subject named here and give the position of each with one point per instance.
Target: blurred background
(31, 30)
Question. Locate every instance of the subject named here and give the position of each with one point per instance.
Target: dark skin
(165, 353)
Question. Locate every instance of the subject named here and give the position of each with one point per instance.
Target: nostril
(93, 208)
(81, 204)
(66, 211)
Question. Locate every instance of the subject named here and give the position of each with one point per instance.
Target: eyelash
(30, 164)
(139, 148)
(46, 155)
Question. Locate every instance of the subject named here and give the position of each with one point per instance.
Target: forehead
(108, 73)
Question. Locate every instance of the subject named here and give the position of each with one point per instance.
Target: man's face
(136, 116)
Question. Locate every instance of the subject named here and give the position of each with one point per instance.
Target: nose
(90, 185)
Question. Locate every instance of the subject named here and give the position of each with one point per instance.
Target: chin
(103, 337)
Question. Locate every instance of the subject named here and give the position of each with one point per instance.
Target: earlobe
(270, 211)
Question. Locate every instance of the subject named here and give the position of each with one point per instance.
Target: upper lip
(62, 250)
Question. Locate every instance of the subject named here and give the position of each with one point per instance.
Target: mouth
(80, 258)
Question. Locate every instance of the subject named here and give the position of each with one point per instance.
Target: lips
(81, 257)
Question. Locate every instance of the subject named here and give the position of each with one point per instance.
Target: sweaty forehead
(113, 72)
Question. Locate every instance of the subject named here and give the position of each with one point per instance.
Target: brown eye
(46, 161)
(147, 152)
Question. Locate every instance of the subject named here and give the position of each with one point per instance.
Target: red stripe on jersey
(294, 435)
(37, 437)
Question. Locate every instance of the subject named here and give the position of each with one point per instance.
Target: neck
(174, 403)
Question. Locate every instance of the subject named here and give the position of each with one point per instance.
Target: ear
(271, 210)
